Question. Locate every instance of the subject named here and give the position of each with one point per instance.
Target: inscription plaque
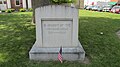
(57, 33)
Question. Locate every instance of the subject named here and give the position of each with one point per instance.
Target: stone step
(47, 54)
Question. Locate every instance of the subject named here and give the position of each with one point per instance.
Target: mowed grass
(102, 50)
(17, 35)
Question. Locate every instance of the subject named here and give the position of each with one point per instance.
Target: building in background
(15, 4)
(3, 5)
(115, 2)
(102, 3)
(118, 3)
(95, 2)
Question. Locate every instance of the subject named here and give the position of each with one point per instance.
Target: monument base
(47, 54)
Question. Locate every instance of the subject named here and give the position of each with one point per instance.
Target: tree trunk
(38, 3)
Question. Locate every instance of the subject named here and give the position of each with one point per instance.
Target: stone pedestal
(46, 54)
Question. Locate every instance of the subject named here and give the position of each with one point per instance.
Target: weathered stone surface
(56, 26)
(57, 14)
(48, 54)
(118, 33)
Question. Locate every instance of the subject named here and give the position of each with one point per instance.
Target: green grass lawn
(17, 35)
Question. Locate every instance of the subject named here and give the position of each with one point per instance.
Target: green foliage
(12, 10)
(30, 9)
(62, 1)
(8, 11)
(3, 10)
(22, 10)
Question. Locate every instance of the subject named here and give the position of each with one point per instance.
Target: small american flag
(60, 55)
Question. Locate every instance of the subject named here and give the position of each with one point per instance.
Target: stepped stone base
(48, 54)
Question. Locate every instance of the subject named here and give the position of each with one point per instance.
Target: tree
(62, 1)
(38, 3)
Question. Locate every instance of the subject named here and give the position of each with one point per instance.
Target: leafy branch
(62, 1)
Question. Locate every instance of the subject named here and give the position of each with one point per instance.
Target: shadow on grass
(17, 35)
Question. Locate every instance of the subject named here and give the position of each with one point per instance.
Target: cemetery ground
(97, 33)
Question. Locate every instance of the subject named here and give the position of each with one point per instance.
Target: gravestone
(56, 26)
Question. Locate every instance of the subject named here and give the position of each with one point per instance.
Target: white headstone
(56, 26)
